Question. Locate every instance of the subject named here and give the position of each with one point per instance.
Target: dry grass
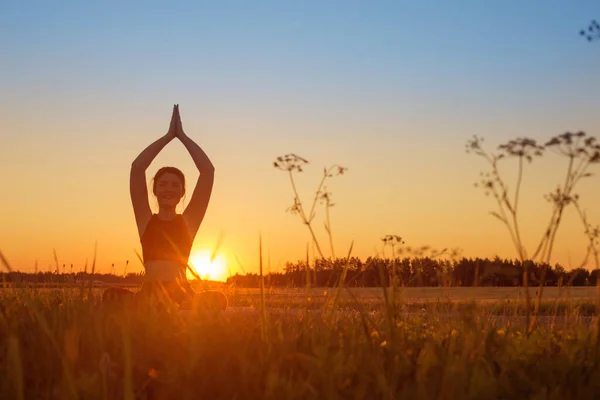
(64, 344)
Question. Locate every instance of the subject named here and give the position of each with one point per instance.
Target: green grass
(53, 344)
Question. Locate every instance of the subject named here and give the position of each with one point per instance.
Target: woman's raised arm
(196, 209)
(138, 188)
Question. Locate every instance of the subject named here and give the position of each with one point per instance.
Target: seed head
(576, 145)
(290, 162)
(592, 32)
(521, 147)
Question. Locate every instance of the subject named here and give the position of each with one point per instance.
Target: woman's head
(168, 186)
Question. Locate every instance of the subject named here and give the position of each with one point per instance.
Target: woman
(167, 236)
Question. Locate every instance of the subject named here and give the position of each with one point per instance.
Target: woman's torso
(166, 247)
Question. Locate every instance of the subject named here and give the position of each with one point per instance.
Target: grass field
(425, 343)
(435, 293)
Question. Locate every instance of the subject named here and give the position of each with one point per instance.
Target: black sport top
(167, 240)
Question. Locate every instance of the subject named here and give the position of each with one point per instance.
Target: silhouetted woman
(167, 236)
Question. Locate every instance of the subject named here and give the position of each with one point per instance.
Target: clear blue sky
(390, 89)
(241, 50)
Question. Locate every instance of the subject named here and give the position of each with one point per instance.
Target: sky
(392, 90)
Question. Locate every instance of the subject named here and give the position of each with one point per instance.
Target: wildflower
(290, 162)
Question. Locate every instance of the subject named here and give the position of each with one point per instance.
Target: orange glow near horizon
(398, 120)
(207, 269)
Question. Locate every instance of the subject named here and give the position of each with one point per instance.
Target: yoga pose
(167, 236)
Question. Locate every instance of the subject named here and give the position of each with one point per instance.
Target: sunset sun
(215, 270)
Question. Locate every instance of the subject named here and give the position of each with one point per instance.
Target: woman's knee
(211, 300)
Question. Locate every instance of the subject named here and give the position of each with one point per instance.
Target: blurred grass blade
(14, 357)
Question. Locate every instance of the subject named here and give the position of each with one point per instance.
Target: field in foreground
(434, 343)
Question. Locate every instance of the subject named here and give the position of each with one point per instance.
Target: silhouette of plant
(492, 182)
(593, 234)
(392, 241)
(293, 163)
(416, 253)
(592, 32)
(425, 251)
(581, 151)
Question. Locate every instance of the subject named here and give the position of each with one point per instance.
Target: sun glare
(215, 270)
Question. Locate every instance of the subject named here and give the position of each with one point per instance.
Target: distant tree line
(372, 272)
(417, 272)
(49, 278)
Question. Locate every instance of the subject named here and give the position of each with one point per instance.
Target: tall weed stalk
(581, 152)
